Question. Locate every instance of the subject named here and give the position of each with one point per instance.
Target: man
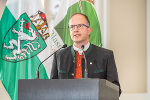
(69, 64)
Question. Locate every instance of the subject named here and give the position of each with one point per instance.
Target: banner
(67, 8)
(25, 41)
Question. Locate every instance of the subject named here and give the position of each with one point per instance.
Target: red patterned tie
(78, 64)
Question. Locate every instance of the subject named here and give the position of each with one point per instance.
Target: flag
(25, 41)
(3, 0)
(67, 8)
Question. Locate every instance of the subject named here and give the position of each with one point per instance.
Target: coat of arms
(23, 40)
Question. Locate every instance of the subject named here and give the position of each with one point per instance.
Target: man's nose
(76, 28)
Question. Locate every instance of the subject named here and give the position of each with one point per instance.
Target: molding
(148, 47)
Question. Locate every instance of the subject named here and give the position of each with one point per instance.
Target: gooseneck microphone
(37, 73)
(85, 70)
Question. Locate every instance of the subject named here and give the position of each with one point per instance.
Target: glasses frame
(79, 26)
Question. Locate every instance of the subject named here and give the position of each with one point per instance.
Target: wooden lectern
(67, 89)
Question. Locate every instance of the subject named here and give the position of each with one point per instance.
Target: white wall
(2, 5)
(127, 38)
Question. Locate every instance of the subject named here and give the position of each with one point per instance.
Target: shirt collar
(80, 50)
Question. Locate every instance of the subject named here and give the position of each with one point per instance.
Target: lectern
(67, 89)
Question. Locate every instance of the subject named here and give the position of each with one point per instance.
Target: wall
(2, 5)
(127, 38)
(148, 46)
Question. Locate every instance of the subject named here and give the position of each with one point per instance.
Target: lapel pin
(91, 63)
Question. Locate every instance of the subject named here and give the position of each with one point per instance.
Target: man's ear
(89, 31)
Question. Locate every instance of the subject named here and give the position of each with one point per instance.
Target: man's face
(79, 29)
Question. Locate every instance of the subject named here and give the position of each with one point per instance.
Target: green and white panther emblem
(22, 41)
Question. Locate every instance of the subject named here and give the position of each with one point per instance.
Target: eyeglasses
(79, 26)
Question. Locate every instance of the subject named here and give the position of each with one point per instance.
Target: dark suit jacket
(100, 64)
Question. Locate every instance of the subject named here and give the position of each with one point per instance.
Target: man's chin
(77, 41)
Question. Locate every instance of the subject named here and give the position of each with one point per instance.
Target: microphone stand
(85, 70)
(37, 73)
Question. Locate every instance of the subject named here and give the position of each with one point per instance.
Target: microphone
(85, 70)
(37, 73)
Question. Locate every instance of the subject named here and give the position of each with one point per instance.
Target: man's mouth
(76, 35)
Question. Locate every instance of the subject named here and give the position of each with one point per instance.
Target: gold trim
(91, 1)
(80, 6)
(79, 2)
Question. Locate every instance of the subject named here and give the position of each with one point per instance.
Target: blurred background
(125, 27)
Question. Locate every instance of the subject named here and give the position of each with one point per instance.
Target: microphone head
(82, 47)
(64, 46)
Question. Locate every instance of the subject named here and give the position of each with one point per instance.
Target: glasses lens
(79, 26)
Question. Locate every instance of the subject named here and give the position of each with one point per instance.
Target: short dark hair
(86, 17)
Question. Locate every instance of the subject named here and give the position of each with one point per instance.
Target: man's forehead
(77, 18)
(77, 15)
